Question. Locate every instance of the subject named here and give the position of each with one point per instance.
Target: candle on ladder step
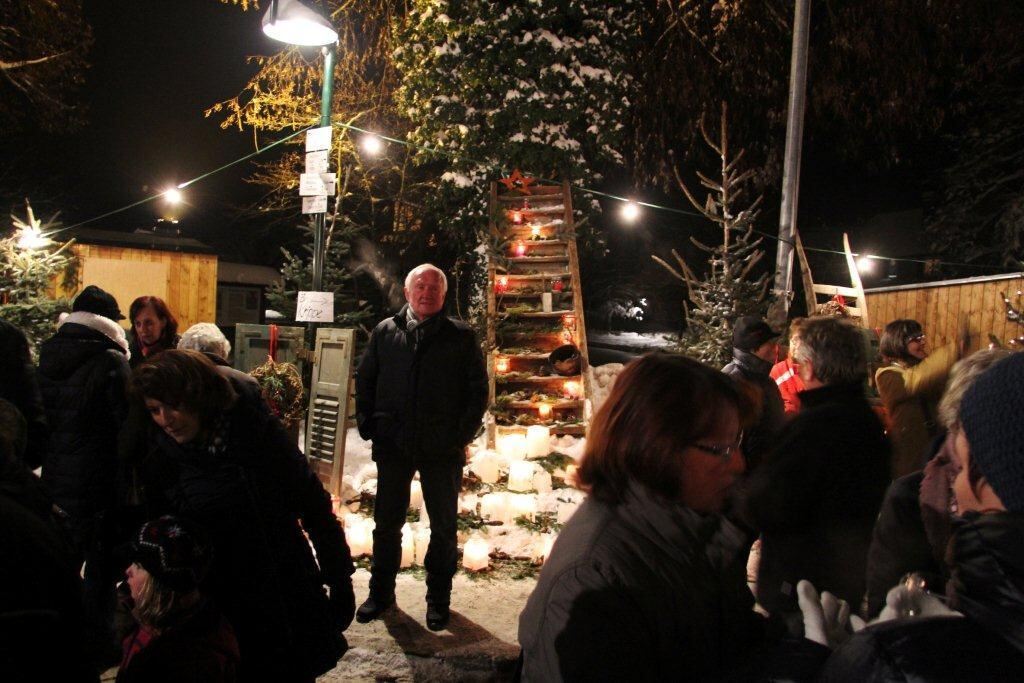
(501, 284)
(408, 552)
(502, 364)
(544, 411)
(520, 476)
(572, 389)
(475, 555)
(535, 232)
(538, 441)
(519, 249)
(545, 302)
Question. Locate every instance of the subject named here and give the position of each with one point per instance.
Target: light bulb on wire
(630, 211)
(371, 144)
(173, 196)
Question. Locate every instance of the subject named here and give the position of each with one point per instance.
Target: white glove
(902, 602)
(827, 619)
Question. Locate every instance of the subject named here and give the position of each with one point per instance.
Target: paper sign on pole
(315, 307)
(317, 204)
(314, 184)
(318, 138)
(318, 162)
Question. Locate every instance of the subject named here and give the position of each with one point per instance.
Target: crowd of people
(177, 532)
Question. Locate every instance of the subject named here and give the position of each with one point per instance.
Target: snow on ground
(635, 341)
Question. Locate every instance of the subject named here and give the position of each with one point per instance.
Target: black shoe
(437, 616)
(374, 607)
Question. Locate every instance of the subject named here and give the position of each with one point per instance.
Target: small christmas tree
(729, 291)
(32, 266)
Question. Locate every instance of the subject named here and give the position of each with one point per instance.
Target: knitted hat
(750, 332)
(95, 300)
(169, 550)
(991, 417)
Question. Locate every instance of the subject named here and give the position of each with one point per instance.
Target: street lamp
(289, 21)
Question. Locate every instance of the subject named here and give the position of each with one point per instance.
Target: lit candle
(523, 505)
(544, 410)
(519, 249)
(517, 217)
(542, 480)
(545, 302)
(538, 441)
(360, 539)
(494, 506)
(421, 541)
(520, 476)
(501, 284)
(485, 466)
(572, 389)
(502, 364)
(535, 232)
(475, 555)
(408, 552)
(512, 447)
(415, 495)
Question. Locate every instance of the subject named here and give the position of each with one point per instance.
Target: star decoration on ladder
(517, 181)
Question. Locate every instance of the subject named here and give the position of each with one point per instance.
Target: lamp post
(289, 21)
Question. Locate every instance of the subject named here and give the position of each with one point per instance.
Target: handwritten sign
(318, 162)
(316, 184)
(314, 204)
(315, 307)
(318, 138)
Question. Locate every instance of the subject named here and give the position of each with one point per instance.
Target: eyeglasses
(723, 452)
(916, 338)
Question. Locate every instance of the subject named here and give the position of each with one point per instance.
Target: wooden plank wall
(191, 280)
(940, 309)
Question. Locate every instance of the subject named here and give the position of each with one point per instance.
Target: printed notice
(314, 204)
(316, 184)
(315, 307)
(318, 139)
(318, 162)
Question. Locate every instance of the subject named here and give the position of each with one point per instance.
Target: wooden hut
(180, 270)
(940, 307)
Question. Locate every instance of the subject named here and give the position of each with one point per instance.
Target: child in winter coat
(179, 636)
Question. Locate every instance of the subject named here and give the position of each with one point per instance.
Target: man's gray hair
(424, 267)
(206, 337)
(961, 377)
(835, 348)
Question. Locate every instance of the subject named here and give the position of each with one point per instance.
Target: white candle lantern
(542, 480)
(512, 447)
(524, 505)
(520, 476)
(408, 551)
(485, 466)
(475, 555)
(415, 494)
(421, 541)
(538, 441)
(360, 538)
(494, 506)
(545, 302)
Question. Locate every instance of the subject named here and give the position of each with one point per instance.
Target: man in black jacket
(753, 352)
(83, 371)
(421, 391)
(816, 497)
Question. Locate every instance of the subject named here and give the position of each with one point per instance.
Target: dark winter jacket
(816, 498)
(759, 439)
(251, 497)
(646, 590)
(42, 625)
(82, 375)
(18, 385)
(203, 649)
(421, 392)
(986, 644)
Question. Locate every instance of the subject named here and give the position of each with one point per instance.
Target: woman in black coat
(224, 462)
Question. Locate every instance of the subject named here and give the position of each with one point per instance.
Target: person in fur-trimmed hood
(83, 374)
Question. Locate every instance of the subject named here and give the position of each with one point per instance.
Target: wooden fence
(940, 306)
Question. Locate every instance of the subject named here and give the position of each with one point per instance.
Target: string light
(630, 211)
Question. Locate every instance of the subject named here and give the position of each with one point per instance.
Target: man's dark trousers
(441, 481)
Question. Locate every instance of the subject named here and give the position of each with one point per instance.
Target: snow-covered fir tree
(730, 289)
(540, 85)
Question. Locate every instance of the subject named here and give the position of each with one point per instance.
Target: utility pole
(783, 289)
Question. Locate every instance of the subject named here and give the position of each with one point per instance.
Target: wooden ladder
(854, 291)
(534, 227)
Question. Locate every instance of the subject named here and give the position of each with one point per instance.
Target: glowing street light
(371, 144)
(865, 264)
(630, 211)
(173, 195)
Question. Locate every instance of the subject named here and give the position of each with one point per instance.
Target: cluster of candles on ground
(526, 481)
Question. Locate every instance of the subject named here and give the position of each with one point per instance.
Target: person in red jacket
(786, 374)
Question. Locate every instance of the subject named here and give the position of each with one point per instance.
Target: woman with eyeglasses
(910, 386)
(647, 581)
